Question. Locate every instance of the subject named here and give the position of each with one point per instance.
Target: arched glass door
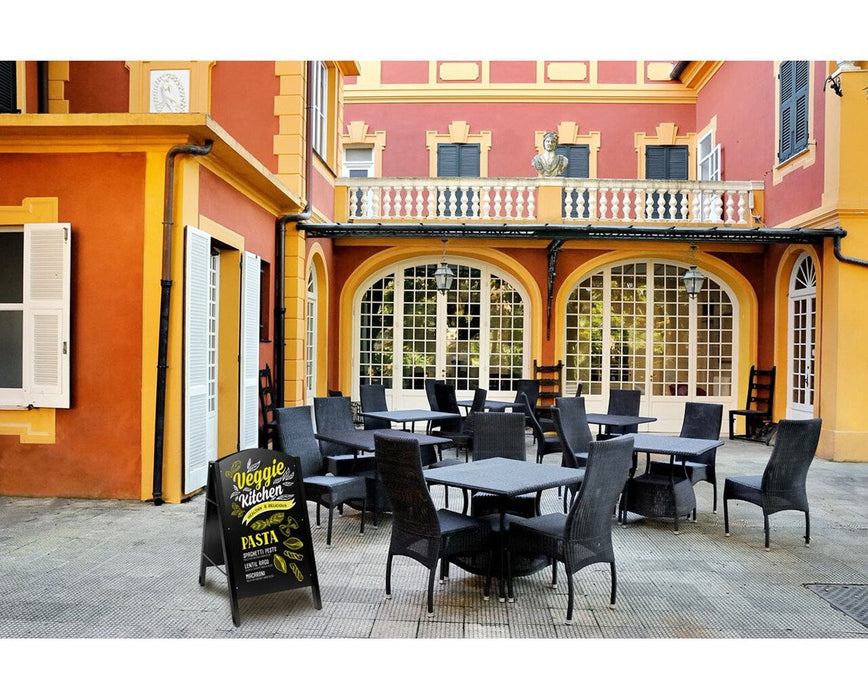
(632, 326)
(474, 335)
(802, 338)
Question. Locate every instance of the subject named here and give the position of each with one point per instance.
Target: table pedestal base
(658, 496)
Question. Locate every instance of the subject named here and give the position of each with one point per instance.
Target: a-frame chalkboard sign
(257, 527)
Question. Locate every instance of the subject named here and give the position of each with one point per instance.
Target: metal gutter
(571, 232)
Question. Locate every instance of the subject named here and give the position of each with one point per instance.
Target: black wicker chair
(702, 421)
(545, 435)
(501, 435)
(335, 414)
(571, 423)
(295, 436)
(419, 530)
(459, 430)
(373, 398)
(622, 402)
(584, 535)
(782, 485)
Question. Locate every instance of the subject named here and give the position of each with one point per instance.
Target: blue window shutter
(666, 162)
(655, 163)
(794, 96)
(8, 88)
(458, 160)
(578, 157)
(447, 160)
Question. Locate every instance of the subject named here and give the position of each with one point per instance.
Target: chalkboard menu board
(257, 527)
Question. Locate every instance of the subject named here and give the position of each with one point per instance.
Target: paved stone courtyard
(103, 570)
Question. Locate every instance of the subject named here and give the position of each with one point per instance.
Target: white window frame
(319, 109)
(46, 318)
(248, 409)
(803, 301)
(366, 164)
(708, 158)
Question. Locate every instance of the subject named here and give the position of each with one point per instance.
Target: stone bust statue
(548, 163)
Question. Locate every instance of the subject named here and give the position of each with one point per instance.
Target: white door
(802, 339)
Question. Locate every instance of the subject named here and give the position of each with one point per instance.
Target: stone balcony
(548, 200)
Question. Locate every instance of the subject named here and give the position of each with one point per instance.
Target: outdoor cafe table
(491, 405)
(411, 416)
(660, 496)
(617, 421)
(503, 477)
(363, 441)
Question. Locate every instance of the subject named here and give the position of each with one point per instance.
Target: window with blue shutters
(458, 160)
(793, 125)
(8, 88)
(666, 163)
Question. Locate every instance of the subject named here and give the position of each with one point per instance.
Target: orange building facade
(209, 218)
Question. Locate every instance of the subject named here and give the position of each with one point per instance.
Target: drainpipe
(42, 87)
(846, 258)
(166, 288)
(280, 251)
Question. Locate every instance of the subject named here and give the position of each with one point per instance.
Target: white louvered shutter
(248, 410)
(196, 409)
(46, 314)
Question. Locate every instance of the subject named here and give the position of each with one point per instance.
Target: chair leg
(614, 586)
(329, 530)
(570, 595)
(807, 529)
(364, 510)
(389, 575)
(766, 528)
(431, 575)
(317, 515)
(554, 573)
(725, 516)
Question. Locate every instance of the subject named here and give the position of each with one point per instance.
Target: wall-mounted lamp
(834, 81)
(443, 275)
(693, 278)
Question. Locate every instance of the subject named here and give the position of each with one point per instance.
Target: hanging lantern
(443, 275)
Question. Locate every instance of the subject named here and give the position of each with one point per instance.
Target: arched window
(632, 326)
(802, 338)
(474, 335)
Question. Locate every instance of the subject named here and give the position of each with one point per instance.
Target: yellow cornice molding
(547, 93)
(697, 74)
(349, 67)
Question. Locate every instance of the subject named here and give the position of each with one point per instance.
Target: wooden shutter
(447, 160)
(197, 267)
(578, 157)
(458, 159)
(8, 87)
(248, 410)
(794, 83)
(46, 342)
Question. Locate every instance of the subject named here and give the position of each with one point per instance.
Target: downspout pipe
(846, 258)
(166, 289)
(280, 253)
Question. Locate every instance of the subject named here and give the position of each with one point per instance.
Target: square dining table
(503, 477)
(669, 496)
(492, 405)
(409, 415)
(613, 420)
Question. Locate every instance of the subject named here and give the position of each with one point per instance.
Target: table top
(363, 440)
(673, 445)
(491, 404)
(503, 477)
(618, 421)
(409, 415)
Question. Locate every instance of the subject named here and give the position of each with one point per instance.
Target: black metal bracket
(552, 251)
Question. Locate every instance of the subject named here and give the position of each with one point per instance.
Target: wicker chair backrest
(574, 422)
(783, 482)
(373, 398)
(498, 434)
(295, 436)
(333, 414)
